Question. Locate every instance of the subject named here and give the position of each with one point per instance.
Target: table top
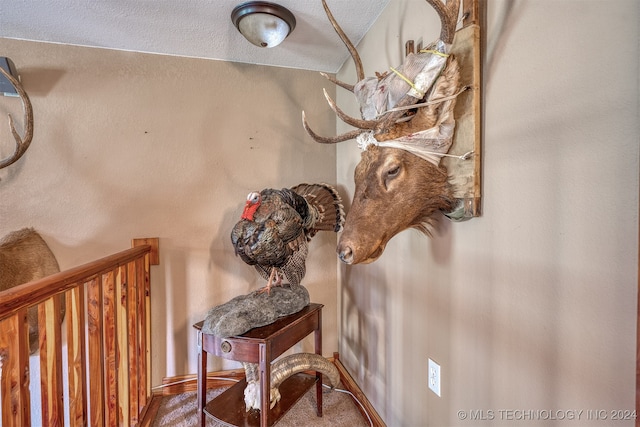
(270, 331)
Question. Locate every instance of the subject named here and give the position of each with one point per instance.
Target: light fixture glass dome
(263, 24)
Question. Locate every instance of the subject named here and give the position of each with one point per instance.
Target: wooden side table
(259, 345)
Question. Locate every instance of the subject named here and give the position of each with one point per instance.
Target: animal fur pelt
(25, 256)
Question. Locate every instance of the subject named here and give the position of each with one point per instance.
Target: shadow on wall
(363, 317)
(442, 241)
(500, 32)
(171, 304)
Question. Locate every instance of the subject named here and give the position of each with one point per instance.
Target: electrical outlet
(434, 377)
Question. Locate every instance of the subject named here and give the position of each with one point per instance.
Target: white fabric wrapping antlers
(376, 97)
(430, 144)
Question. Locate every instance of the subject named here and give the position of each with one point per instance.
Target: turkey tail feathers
(326, 206)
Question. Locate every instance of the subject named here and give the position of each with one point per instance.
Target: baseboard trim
(186, 383)
(149, 412)
(349, 384)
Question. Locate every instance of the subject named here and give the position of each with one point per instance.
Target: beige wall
(134, 145)
(533, 305)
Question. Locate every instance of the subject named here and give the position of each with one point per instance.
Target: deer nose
(345, 253)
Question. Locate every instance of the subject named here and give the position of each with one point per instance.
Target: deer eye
(391, 174)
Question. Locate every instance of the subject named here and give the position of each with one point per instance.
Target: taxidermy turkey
(276, 226)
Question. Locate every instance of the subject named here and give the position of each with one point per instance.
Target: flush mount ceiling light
(263, 24)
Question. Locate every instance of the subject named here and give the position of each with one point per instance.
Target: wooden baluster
(109, 339)
(50, 337)
(76, 356)
(94, 342)
(122, 353)
(132, 342)
(14, 378)
(115, 353)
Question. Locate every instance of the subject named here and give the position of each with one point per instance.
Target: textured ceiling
(191, 28)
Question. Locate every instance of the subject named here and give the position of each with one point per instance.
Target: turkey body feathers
(276, 235)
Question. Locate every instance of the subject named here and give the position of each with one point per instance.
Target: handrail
(28, 294)
(108, 342)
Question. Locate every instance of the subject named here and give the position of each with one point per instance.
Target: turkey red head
(251, 206)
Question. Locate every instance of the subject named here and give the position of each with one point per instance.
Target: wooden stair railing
(108, 342)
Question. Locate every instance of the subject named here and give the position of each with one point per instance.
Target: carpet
(338, 410)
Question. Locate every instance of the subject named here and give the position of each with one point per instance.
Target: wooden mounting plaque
(465, 175)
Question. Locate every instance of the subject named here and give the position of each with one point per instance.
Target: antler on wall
(21, 143)
(382, 124)
(409, 123)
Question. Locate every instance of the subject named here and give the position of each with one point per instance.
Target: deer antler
(359, 123)
(448, 17)
(330, 139)
(21, 144)
(378, 127)
(337, 82)
(350, 47)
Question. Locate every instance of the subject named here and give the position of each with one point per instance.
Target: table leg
(202, 380)
(265, 383)
(318, 347)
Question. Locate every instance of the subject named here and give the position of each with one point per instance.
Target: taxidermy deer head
(406, 127)
(21, 143)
